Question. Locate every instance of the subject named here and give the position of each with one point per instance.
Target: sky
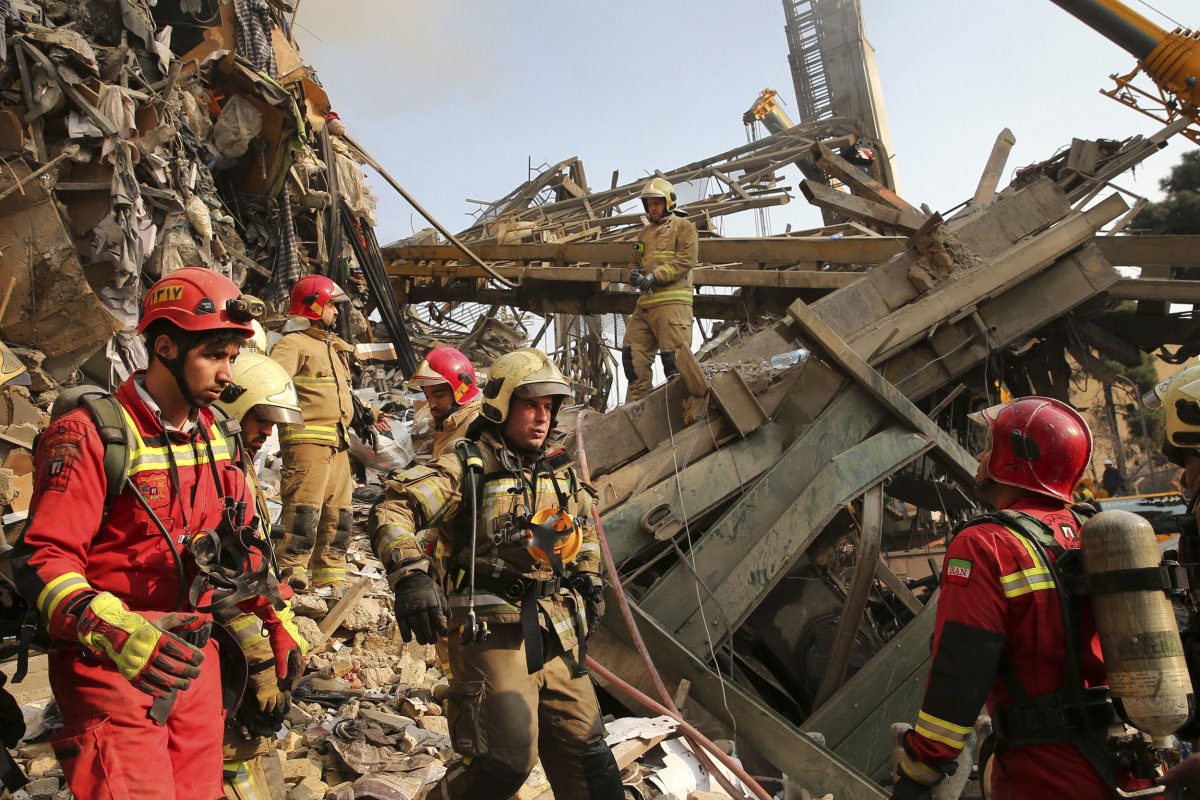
(457, 98)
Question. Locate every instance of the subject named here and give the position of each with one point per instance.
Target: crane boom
(1170, 59)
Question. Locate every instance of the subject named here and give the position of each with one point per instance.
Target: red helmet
(312, 293)
(447, 365)
(198, 299)
(1038, 444)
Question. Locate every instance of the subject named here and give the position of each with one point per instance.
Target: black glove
(591, 589)
(12, 723)
(905, 788)
(642, 281)
(363, 422)
(421, 609)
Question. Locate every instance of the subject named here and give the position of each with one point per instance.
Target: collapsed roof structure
(748, 508)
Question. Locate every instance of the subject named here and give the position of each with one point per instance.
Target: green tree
(1179, 211)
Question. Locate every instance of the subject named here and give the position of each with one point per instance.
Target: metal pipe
(1118, 23)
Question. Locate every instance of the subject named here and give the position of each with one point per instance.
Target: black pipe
(1111, 26)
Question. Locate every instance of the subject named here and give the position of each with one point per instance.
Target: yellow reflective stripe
(429, 497)
(246, 629)
(664, 253)
(942, 731)
(589, 549)
(392, 538)
(328, 572)
(302, 380)
(1026, 581)
(143, 457)
(1034, 579)
(59, 589)
(672, 296)
(325, 432)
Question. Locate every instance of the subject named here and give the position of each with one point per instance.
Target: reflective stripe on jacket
(669, 252)
(317, 362)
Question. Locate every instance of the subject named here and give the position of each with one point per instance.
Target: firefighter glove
(12, 722)
(905, 788)
(591, 589)
(142, 645)
(288, 646)
(421, 608)
(266, 705)
(642, 281)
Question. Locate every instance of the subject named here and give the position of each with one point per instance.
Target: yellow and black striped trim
(59, 589)
(939, 730)
(143, 457)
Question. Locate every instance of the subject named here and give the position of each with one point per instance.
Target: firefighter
(107, 561)
(259, 396)
(316, 482)
(1179, 399)
(447, 378)
(508, 506)
(1000, 633)
(662, 320)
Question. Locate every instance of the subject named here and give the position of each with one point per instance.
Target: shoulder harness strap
(114, 433)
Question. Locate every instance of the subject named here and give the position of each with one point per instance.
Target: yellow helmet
(527, 373)
(1179, 398)
(659, 187)
(260, 383)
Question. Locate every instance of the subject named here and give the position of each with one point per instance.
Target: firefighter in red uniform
(1000, 631)
(133, 669)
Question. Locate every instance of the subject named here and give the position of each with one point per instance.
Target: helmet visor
(543, 389)
(279, 414)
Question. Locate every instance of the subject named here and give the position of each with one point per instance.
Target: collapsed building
(771, 525)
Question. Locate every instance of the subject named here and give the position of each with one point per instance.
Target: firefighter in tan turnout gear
(259, 396)
(447, 378)
(316, 482)
(522, 588)
(662, 320)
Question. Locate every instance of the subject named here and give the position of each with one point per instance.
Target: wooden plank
(342, 607)
(779, 249)
(860, 182)
(848, 205)
(961, 464)
(898, 587)
(760, 727)
(1140, 251)
(900, 329)
(740, 529)
(757, 572)
(871, 533)
(888, 689)
(1167, 290)
(701, 276)
(994, 169)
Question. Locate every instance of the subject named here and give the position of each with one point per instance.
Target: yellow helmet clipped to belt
(1179, 398)
(260, 383)
(568, 538)
(660, 187)
(527, 373)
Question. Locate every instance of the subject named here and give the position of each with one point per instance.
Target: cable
(639, 644)
(479, 262)
(693, 735)
(1162, 14)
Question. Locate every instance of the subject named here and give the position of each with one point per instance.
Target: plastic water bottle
(785, 360)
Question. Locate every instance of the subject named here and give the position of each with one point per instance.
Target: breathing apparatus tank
(1143, 654)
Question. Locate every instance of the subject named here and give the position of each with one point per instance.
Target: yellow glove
(141, 644)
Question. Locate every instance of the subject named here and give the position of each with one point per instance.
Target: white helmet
(260, 383)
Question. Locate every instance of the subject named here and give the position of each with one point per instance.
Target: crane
(1170, 60)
